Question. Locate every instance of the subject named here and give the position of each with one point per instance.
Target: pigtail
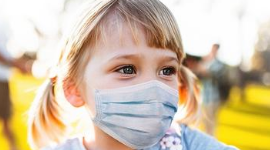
(189, 99)
(45, 125)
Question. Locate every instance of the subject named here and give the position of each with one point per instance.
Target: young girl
(122, 63)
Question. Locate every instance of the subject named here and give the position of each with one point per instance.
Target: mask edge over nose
(140, 86)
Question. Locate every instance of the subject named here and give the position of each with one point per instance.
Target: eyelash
(172, 71)
(122, 71)
(132, 70)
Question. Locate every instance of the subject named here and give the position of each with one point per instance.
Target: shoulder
(195, 140)
(70, 144)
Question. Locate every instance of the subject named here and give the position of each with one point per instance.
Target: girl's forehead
(124, 41)
(121, 35)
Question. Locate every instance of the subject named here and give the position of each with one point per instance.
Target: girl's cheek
(174, 83)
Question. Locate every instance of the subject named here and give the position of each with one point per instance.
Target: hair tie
(53, 80)
(53, 75)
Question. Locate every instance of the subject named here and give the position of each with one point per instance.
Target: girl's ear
(72, 93)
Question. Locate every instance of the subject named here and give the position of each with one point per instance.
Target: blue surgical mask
(137, 116)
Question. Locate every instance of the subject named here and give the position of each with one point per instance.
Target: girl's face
(119, 62)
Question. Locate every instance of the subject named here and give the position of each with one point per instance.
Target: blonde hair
(45, 121)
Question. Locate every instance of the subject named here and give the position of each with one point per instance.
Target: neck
(103, 141)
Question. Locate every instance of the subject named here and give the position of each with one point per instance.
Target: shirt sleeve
(196, 140)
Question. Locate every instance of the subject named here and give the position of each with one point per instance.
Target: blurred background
(228, 47)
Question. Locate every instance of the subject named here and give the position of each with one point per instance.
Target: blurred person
(122, 64)
(6, 61)
(215, 86)
(192, 62)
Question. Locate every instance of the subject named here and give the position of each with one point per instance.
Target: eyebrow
(136, 56)
(170, 58)
(124, 56)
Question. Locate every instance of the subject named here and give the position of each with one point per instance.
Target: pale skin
(115, 64)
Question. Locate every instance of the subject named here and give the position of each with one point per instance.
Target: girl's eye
(127, 70)
(168, 71)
